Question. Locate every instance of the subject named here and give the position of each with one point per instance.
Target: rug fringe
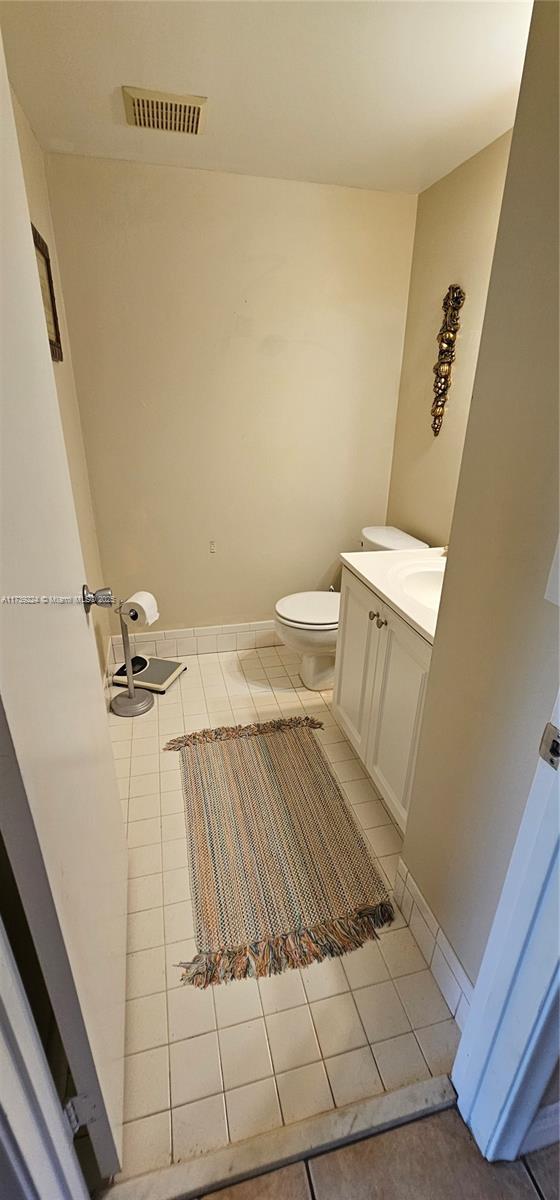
(226, 732)
(300, 948)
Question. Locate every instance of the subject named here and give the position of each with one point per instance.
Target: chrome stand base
(132, 706)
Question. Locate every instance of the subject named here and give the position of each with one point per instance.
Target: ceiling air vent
(161, 110)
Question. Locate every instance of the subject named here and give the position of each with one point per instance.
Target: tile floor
(432, 1159)
(205, 1068)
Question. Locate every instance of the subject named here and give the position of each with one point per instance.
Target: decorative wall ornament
(452, 304)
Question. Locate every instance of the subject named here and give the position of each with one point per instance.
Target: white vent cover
(162, 110)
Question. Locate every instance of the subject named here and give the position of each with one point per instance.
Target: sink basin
(421, 581)
(409, 581)
(425, 584)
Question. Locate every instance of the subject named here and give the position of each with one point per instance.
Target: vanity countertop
(409, 581)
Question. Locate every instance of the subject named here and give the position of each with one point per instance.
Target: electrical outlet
(212, 547)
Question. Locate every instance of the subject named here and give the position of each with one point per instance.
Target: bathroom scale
(155, 674)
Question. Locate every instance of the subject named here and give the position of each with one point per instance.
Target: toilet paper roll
(140, 609)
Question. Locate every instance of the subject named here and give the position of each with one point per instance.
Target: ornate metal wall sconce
(452, 304)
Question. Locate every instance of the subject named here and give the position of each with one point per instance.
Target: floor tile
(146, 1145)
(143, 833)
(371, 814)
(174, 854)
(172, 802)
(292, 1038)
(388, 864)
(195, 1069)
(237, 1002)
(339, 751)
(400, 1061)
(432, 1159)
(544, 1166)
(144, 764)
(175, 953)
(365, 966)
(337, 1025)
(178, 921)
(146, 1023)
(400, 952)
(176, 886)
(323, 979)
(253, 1109)
(304, 1092)
(141, 807)
(381, 1011)
(199, 1127)
(438, 1044)
(172, 826)
(144, 785)
(144, 860)
(143, 746)
(347, 771)
(279, 992)
(145, 973)
(353, 1076)
(144, 930)
(144, 892)
(191, 1012)
(245, 1054)
(385, 840)
(422, 999)
(146, 1083)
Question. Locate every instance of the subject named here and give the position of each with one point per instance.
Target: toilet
(307, 622)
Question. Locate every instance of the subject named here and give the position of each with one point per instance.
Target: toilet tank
(386, 537)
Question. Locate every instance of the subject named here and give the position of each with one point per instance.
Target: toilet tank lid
(386, 537)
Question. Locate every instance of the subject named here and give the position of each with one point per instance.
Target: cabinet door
(396, 711)
(356, 653)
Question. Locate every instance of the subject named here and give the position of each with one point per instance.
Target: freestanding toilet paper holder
(131, 703)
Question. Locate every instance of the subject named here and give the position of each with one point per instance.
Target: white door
(403, 663)
(356, 653)
(62, 821)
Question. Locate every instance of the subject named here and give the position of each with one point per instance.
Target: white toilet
(307, 622)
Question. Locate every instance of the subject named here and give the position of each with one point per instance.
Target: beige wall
(454, 243)
(494, 672)
(33, 163)
(237, 345)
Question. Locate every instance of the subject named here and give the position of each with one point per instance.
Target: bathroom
(244, 330)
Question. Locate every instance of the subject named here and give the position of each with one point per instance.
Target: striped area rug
(281, 875)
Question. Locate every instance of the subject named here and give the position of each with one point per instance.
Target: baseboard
(202, 639)
(444, 965)
(290, 1143)
(545, 1129)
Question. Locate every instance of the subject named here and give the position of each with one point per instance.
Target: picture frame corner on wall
(47, 292)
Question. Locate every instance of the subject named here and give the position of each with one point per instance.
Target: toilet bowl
(307, 622)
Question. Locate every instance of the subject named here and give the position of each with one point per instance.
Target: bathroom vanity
(388, 614)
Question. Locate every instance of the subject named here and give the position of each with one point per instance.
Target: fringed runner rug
(281, 875)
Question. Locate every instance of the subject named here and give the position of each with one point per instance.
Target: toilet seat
(310, 610)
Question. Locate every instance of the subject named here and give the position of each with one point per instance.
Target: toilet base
(317, 671)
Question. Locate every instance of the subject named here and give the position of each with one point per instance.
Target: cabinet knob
(373, 616)
(380, 624)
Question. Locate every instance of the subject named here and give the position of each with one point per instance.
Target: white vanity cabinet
(356, 654)
(380, 683)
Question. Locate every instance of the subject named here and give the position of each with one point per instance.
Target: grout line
(309, 1179)
(538, 1191)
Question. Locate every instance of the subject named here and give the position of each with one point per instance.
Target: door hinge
(79, 1111)
(550, 746)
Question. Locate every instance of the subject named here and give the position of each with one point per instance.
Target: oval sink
(423, 583)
